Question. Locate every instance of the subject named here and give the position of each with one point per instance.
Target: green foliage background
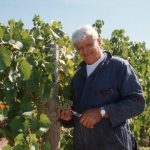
(27, 80)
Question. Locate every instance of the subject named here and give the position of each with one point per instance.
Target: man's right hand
(64, 114)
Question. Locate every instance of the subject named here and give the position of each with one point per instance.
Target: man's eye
(80, 49)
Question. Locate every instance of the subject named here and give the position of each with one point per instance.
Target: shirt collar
(92, 67)
(98, 61)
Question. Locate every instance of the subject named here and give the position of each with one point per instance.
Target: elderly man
(106, 93)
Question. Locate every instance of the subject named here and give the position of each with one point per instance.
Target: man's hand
(64, 114)
(90, 117)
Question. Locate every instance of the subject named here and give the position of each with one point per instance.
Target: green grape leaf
(6, 37)
(33, 138)
(34, 125)
(28, 40)
(16, 124)
(44, 120)
(19, 139)
(56, 24)
(5, 58)
(19, 24)
(26, 125)
(11, 23)
(1, 33)
(26, 69)
(32, 84)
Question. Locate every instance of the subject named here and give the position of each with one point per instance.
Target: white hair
(83, 32)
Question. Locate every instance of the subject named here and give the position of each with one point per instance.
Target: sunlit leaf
(26, 69)
(19, 139)
(1, 33)
(5, 57)
(44, 120)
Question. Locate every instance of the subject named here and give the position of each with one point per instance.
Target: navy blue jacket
(114, 86)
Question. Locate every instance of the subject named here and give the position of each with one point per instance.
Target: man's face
(89, 49)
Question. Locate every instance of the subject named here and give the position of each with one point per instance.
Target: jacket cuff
(112, 116)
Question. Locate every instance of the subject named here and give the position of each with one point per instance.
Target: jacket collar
(82, 66)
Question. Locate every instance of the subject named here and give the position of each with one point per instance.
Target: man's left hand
(90, 117)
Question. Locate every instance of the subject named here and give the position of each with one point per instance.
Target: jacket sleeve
(131, 101)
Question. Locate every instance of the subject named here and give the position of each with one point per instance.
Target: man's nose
(84, 50)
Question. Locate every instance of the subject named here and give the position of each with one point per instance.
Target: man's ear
(99, 40)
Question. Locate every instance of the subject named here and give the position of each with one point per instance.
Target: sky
(131, 15)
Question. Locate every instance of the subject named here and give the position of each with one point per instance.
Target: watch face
(103, 112)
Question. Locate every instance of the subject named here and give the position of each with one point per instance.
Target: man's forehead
(86, 38)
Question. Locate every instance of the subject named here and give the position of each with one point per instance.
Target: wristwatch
(102, 111)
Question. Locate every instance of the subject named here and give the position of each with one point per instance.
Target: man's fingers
(65, 115)
(69, 108)
(88, 125)
(82, 119)
(86, 121)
